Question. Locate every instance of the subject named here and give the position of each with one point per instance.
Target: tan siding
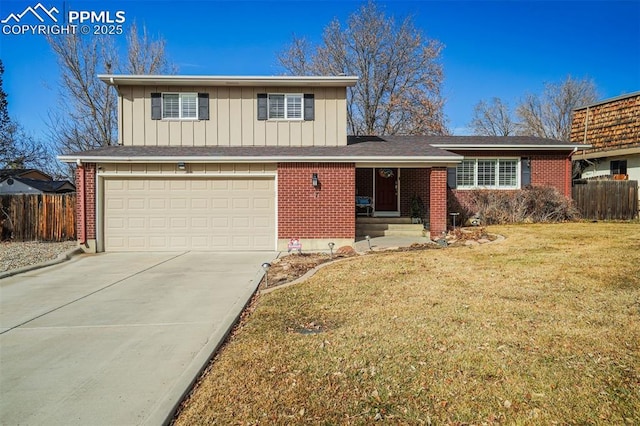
(233, 119)
(124, 169)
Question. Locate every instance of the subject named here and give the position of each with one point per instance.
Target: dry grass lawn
(542, 328)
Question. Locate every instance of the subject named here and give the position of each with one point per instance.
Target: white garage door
(189, 214)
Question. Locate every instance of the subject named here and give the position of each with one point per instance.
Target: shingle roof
(358, 148)
(52, 186)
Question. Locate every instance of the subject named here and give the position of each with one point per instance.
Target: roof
(4, 173)
(220, 80)
(47, 186)
(606, 101)
(360, 149)
(506, 143)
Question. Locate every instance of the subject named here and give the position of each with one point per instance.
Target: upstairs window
(618, 167)
(285, 106)
(493, 173)
(180, 105)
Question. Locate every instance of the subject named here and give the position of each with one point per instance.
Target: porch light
(331, 246)
(314, 180)
(265, 267)
(181, 165)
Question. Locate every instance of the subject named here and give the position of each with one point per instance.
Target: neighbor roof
(221, 80)
(4, 173)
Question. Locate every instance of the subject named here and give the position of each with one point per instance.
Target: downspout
(568, 173)
(82, 201)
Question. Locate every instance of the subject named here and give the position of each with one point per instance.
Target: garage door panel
(189, 214)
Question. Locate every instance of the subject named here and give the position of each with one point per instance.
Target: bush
(536, 204)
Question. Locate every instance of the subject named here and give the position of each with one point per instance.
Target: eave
(238, 81)
(509, 147)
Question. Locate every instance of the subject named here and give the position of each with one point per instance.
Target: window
(499, 173)
(285, 106)
(180, 105)
(618, 167)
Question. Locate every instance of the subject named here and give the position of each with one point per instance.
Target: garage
(179, 213)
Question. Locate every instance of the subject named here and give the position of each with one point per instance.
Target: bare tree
(399, 69)
(493, 119)
(86, 117)
(18, 149)
(549, 115)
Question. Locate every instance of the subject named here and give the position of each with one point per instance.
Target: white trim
(221, 80)
(180, 111)
(440, 161)
(100, 219)
(154, 175)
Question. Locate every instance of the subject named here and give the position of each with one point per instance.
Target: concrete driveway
(115, 338)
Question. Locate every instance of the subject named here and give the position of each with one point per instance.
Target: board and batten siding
(232, 119)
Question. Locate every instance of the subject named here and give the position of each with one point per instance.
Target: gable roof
(49, 185)
(5, 173)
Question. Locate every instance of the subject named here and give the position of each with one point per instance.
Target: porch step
(382, 227)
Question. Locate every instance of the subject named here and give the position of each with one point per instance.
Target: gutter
(511, 147)
(257, 159)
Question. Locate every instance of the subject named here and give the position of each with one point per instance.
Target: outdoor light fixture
(266, 266)
(314, 180)
(182, 166)
(453, 217)
(368, 238)
(331, 246)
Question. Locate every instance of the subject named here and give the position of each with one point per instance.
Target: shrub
(535, 204)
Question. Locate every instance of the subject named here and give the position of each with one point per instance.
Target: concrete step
(365, 219)
(379, 229)
(389, 233)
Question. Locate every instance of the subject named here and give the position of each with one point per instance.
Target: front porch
(401, 196)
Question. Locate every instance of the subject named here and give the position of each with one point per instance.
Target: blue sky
(492, 48)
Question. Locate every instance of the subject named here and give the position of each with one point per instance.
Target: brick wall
(305, 212)
(414, 182)
(438, 201)
(86, 189)
(364, 182)
(548, 168)
(610, 125)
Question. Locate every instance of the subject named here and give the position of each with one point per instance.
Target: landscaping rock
(346, 251)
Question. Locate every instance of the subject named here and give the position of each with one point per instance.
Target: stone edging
(61, 258)
(312, 272)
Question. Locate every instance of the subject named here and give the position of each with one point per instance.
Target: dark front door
(386, 190)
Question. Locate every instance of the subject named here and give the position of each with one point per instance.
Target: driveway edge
(183, 386)
(61, 258)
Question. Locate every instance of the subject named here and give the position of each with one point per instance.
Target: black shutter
(262, 106)
(309, 112)
(451, 178)
(156, 106)
(203, 106)
(525, 172)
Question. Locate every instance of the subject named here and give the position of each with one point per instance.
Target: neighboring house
(31, 181)
(612, 128)
(248, 163)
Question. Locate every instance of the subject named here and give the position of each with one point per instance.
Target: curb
(61, 258)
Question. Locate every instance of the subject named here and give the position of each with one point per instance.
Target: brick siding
(307, 212)
(87, 195)
(438, 201)
(414, 182)
(611, 125)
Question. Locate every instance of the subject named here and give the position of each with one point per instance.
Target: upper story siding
(233, 118)
(613, 124)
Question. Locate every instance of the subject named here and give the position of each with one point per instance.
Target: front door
(386, 190)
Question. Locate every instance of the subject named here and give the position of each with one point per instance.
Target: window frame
(286, 96)
(463, 171)
(181, 116)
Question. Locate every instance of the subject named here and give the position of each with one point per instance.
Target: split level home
(250, 163)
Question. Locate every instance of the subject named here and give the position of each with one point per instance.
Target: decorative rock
(471, 243)
(346, 251)
(483, 241)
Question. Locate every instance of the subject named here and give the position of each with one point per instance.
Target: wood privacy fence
(606, 199)
(41, 217)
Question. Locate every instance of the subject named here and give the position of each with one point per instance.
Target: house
(612, 128)
(31, 181)
(249, 163)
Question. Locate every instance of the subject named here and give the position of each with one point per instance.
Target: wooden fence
(38, 217)
(606, 199)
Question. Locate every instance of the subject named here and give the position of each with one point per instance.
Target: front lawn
(540, 328)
